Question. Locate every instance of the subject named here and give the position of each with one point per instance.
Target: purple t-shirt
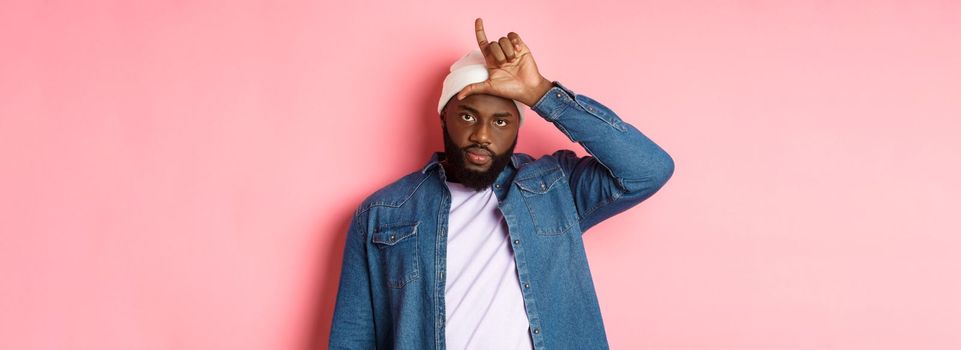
(485, 308)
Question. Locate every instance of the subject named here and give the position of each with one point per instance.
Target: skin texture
(482, 118)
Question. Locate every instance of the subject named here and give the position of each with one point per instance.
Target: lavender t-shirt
(485, 308)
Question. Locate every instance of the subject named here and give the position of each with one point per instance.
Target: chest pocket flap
(540, 183)
(390, 235)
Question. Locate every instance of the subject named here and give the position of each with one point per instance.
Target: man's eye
(467, 117)
(500, 122)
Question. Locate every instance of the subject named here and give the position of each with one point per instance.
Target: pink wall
(178, 175)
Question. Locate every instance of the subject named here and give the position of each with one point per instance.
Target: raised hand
(511, 70)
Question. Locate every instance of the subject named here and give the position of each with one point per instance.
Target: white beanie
(468, 70)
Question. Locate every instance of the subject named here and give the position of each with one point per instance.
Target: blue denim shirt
(391, 292)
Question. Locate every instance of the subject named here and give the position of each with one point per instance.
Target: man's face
(480, 133)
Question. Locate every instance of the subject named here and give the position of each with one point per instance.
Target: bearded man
(481, 248)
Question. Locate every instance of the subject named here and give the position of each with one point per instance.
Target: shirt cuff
(554, 102)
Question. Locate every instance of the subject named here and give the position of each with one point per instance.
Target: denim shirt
(392, 281)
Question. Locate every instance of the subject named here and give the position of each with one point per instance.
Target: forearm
(631, 158)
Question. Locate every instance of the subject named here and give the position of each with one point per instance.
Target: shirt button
(393, 237)
(537, 331)
(527, 285)
(517, 241)
(497, 185)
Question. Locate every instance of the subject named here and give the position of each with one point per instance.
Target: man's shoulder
(396, 193)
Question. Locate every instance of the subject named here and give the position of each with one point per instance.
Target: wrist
(538, 92)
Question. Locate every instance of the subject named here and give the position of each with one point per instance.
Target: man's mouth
(478, 156)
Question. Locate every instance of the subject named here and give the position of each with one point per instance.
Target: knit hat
(468, 70)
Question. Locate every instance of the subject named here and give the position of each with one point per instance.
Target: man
(482, 248)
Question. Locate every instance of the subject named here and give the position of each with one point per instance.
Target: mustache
(479, 149)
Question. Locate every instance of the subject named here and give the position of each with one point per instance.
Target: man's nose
(481, 134)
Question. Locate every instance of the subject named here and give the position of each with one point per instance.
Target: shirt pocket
(397, 249)
(549, 202)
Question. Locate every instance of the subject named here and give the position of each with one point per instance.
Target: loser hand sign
(511, 70)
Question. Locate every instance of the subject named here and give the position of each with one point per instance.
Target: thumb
(475, 88)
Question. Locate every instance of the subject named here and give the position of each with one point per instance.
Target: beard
(477, 180)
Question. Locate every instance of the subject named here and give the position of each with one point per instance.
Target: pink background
(179, 174)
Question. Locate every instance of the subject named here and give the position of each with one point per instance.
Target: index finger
(479, 30)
